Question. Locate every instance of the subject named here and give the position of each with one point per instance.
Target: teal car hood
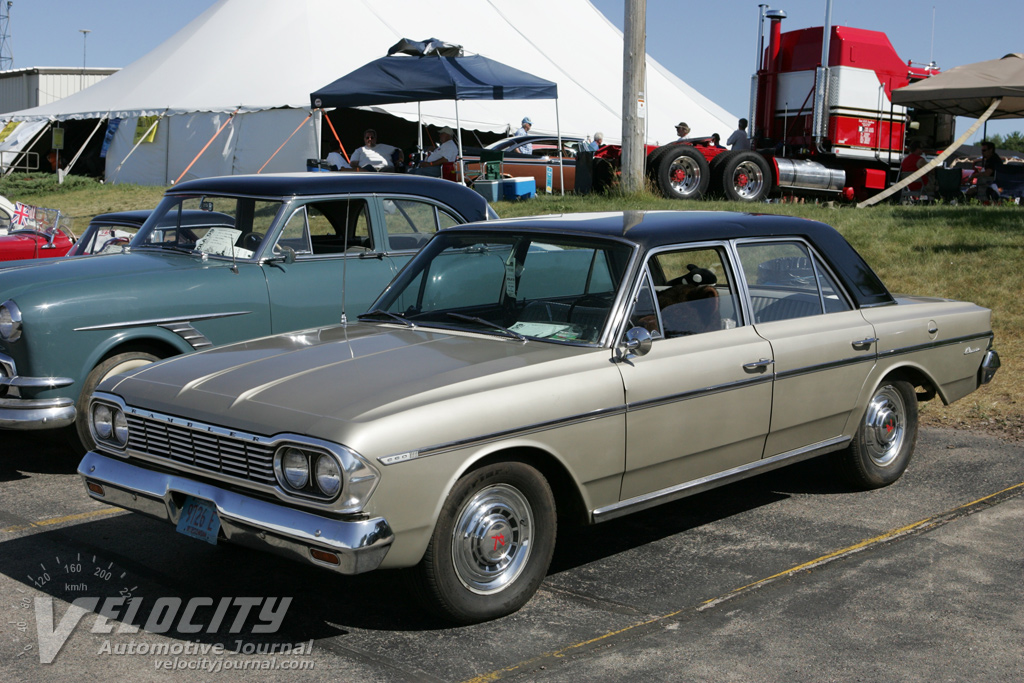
(51, 275)
(323, 381)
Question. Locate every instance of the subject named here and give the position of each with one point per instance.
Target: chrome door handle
(864, 343)
(762, 364)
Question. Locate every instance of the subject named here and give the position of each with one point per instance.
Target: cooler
(490, 189)
(518, 188)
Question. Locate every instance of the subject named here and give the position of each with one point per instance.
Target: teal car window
(410, 223)
(236, 229)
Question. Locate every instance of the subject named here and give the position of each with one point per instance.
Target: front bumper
(25, 413)
(360, 545)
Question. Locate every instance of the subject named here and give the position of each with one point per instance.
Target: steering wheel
(251, 241)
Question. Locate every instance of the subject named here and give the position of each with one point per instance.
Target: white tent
(246, 68)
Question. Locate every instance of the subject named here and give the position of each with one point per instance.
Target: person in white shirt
(374, 156)
(335, 160)
(739, 139)
(526, 148)
(446, 152)
(682, 130)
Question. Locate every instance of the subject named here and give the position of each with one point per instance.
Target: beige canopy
(992, 89)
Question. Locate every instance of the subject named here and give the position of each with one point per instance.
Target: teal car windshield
(550, 287)
(236, 229)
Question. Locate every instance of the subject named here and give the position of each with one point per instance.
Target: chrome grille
(225, 455)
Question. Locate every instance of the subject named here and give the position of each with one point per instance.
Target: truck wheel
(743, 176)
(884, 442)
(652, 161)
(683, 173)
(715, 166)
(79, 437)
(492, 544)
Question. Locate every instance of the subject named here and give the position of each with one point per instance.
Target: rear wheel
(683, 173)
(885, 439)
(79, 436)
(492, 544)
(743, 176)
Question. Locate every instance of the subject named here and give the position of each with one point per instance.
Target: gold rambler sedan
(522, 372)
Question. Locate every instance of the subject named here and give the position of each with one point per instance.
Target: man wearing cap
(447, 151)
(526, 148)
(682, 130)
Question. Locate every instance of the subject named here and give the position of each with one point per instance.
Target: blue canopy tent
(433, 70)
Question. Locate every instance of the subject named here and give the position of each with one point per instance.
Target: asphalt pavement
(789, 576)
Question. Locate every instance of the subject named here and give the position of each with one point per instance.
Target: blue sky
(708, 44)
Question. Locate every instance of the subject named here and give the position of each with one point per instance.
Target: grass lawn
(968, 252)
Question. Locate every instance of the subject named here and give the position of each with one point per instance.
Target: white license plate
(199, 520)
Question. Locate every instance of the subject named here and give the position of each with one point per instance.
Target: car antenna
(344, 263)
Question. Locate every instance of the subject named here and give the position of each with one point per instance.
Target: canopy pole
(561, 168)
(419, 125)
(26, 148)
(80, 149)
(335, 133)
(113, 176)
(284, 143)
(206, 146)
(458, 133)
(934, 162)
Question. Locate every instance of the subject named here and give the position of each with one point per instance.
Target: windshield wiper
(387, 314)
(487, 323)
(170, 247)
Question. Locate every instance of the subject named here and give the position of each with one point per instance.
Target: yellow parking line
(857, 547)
(60, 520)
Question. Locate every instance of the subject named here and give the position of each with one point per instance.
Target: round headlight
(120, 427)
(328, 475)
(10, 321)
(295, 466)
(102, 420)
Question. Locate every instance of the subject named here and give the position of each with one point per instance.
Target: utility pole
(85, 34)
(634, 105)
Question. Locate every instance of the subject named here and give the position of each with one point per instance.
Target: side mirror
(288, 253)
(638, 341)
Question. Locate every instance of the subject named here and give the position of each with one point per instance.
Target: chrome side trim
(934, 345)
(196, 339)
(188, 319)
(360, 544)
(690, 488)
(697, 393)
(796, 372)
(498, 436)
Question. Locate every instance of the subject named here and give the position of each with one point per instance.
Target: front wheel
(79, 437)
(884, 442)
(744, 177)
(492, 544)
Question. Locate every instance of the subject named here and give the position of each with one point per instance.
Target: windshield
(549, 287)
(230, 227)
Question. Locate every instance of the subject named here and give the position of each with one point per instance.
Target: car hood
(326, 382)
(41, 275)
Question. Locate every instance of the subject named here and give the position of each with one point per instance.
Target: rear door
(822, 347)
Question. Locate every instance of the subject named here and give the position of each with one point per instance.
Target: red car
(27, 243)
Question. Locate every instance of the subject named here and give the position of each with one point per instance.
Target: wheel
(715, 170)
(683, 173)
(492, 544)
(884, 442)
(79, 437)
(744, 176)
(652, 161)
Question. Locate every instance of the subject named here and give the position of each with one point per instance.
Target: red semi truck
(823, 122)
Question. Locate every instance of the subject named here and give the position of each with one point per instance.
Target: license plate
(199, 520)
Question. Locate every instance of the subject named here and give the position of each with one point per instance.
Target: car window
(409, 223)
(235, 229)
(328, 227)
(786, 280)
(685, 292)
(106, 238)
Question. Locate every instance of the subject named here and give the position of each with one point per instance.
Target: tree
(1014, 141)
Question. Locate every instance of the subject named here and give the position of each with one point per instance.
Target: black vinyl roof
(470, 204)
(653, 229)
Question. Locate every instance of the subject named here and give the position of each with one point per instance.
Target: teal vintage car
(288, 252)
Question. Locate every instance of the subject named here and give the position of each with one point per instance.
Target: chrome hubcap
(685, 175)
(885, 427)
(492, 539)
(748, 180)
